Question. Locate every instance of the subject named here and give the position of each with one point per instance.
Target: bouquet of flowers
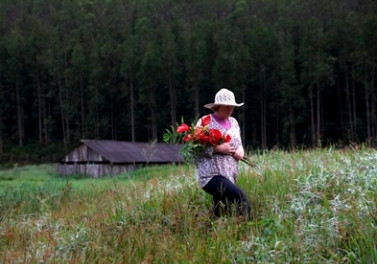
(197, 138)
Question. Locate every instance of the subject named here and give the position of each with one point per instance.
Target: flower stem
(247, 161)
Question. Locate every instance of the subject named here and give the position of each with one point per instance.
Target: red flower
(205, 120)
(182, 128)
(187, 138)
(216, 136)
(197, 138)
(204, 139)
(227, 138)
(198, 131)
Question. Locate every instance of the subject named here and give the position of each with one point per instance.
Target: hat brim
(210, 106)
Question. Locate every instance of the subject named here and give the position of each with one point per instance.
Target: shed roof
(133, 152)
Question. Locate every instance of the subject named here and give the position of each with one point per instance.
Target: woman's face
(224, 111)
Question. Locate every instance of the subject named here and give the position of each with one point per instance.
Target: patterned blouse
(211, 164)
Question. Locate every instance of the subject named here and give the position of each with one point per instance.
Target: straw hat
(223, 97)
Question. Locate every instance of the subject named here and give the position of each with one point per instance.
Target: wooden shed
(98, 158)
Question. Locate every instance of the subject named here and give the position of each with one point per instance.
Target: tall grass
(308, 207)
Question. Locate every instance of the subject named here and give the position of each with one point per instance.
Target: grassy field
(316, 206)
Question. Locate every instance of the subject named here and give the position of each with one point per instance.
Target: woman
(218, 167)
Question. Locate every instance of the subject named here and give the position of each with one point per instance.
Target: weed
(314, 206)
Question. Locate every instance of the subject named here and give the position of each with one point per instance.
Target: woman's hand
(225, 148)
(239, 153)
(228, 149)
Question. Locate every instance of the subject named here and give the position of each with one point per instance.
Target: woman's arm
(239, 152)
(225, 148)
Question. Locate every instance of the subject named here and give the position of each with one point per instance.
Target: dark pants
(225, 195)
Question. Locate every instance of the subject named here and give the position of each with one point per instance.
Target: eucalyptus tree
(107, 69)
(129, 64)
(111, 33)
(14, 62)
(128, 70)
(344, 42)
(149, 79)
(37, 43)
(316, 73)
(2, 77)
(232, 64)
(364, 58)
(242, 69)
(63, 42)
(148, 74)
(170, 66)
(79, 68)
(2, 101)
(265, 58)
(289, 88)
(14, 43)
(196, 57)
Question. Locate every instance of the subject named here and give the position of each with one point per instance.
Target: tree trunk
(112, 121)
(277, 124)
(40, 126)
(173, 99)
(153, 115)
(65, 96)
(1, 134)
(367, 110)
(82, 106)
(318, 136)
(243, 125)
(61, 106)
(292, 123)
(341, 118)
(264, 120)
(312, 120)
(68, 132)
(354, 107)
(263, 111)
(132, 110)
(373, 117)
(46, 116)
(196, 100)
(254, 125)
(350, 134)
(20, 118)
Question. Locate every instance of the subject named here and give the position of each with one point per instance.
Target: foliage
(196, 138)
(308, 207)
(127, 69)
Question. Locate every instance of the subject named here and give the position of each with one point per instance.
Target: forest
(129, 69)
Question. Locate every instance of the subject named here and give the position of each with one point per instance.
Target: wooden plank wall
(82, 154)
(94, 170)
